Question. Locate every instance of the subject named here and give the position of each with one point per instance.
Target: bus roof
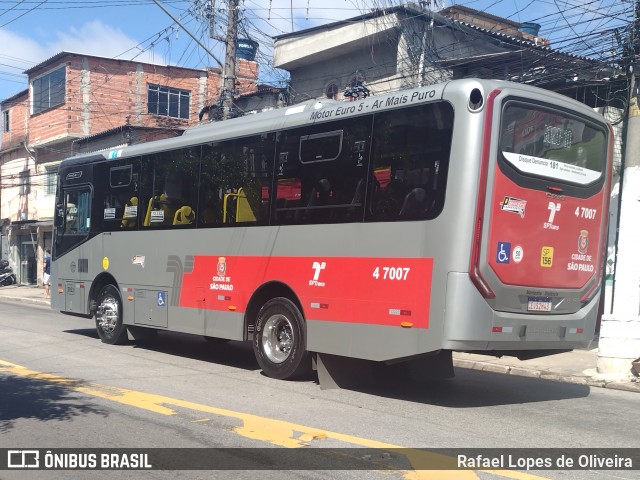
(309, 112)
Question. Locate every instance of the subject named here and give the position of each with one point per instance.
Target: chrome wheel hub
(277, 338)
(107, 314)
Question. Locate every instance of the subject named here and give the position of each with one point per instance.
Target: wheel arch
(97, 285)
(262, 295)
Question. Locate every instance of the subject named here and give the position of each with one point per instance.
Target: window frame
(5, 121)
(51, 180)
(86, 229)
(306, 140)
(37, 91)
(538, 182)
(164, 106)
(25, 182)
(405, 185)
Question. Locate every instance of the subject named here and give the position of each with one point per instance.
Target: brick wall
(18, 118)
(102, 94)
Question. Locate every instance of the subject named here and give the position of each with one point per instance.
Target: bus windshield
(547, 143)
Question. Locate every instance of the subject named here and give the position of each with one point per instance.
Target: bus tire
(279, 340)
(109, 323)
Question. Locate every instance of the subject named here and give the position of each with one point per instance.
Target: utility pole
(229, 74)
(619, 341)
(157, 2)
(229, 69)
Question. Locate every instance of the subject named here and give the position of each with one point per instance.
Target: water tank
(531, 28)
(246, 49)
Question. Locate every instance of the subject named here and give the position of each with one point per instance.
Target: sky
(31, 31)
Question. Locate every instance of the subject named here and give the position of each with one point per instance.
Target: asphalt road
(60, 387)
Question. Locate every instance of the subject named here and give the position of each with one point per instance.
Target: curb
(34, 301)
(544, 375)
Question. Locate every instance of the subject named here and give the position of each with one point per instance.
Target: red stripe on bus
(350, 290)
(474, 265)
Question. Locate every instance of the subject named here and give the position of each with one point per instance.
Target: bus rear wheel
(279, 340)
(109, 323)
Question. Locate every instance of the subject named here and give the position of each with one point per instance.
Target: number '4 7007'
(391, 273)
(589, 213)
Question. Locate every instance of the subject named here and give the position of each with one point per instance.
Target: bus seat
(184, 216)
(244, 212)
(414, 203)
(129, 222)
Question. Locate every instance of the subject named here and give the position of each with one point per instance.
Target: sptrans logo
(318, 267)
(553, 208)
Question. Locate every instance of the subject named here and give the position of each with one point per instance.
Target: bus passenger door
(73, 222)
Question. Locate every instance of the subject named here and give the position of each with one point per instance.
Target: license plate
(539, 304)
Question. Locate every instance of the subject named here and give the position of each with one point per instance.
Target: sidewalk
(578, 366)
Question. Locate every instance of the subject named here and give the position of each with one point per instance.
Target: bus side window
(410, 162)
(77, 208)
(169, 192)
(235, 181)
(116, 198)
(321, 172)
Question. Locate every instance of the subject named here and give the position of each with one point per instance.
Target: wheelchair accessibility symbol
(504, 252)
(162, 299)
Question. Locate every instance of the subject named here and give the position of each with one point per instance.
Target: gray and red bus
(464, 216)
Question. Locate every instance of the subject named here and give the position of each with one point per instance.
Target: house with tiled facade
(78, 103)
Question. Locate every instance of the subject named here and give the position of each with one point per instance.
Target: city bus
(391, 230)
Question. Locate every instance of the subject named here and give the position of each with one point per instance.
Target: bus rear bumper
(472, 325)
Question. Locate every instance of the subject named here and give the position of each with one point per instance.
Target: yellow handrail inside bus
(161, 200)
(243, 211)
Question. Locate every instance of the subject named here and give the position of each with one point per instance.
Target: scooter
(7, 277)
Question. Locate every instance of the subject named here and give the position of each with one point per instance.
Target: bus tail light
(604, 227)
(474, 271)
(500, 329)
(474, 264)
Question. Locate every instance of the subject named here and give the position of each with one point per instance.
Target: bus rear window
(546, 143)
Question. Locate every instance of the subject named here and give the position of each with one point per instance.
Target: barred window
(51, 180)
(48, 91)
(25, 182)
(169, 102)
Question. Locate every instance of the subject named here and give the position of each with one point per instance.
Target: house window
(25, 183)
(48, 90)
(5, 121)
(169, 102)
(51, 178)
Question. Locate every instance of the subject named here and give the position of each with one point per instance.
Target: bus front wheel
(279, 340)
(109, 323)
